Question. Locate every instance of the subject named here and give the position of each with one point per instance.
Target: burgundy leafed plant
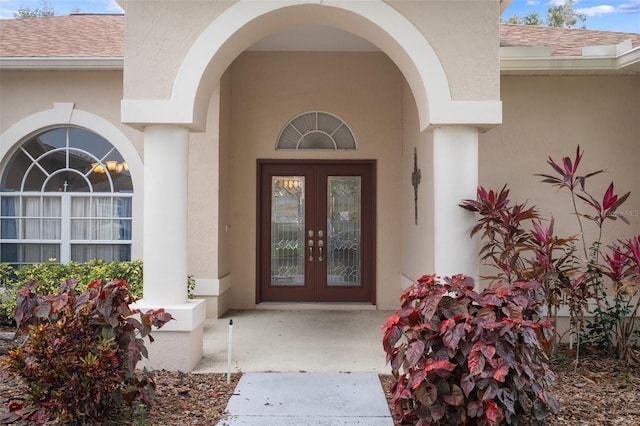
(502, 230)
(462, 357)
(622, 266)
(79, 360)
(522, 246)
(516, 243)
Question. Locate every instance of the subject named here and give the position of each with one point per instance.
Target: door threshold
(317, 306)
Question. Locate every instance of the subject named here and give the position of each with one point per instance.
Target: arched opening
(65, 194)
(70, 141)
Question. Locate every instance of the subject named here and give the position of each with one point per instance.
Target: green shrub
(467, 357)
(50, 275)
(79, 360)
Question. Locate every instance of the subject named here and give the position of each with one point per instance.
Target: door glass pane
(343, 230)
(287, 230)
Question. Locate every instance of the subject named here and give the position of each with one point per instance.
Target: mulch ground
(601, 391)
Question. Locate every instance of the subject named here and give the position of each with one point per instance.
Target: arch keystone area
(247, 21)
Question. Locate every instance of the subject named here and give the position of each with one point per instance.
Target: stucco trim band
(62, 64)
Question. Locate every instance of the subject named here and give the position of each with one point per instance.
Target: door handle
(310, 244)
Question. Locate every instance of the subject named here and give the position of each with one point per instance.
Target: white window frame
(65, 242)
(64, 114)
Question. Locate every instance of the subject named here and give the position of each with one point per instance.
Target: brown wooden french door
(316, 231)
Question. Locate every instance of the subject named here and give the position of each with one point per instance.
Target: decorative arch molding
(64, 114)
(246, 22)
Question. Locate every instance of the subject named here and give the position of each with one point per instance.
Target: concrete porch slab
(329, 399)
(296, 341)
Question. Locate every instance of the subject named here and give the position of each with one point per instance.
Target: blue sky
(61, 7)
(613, 15)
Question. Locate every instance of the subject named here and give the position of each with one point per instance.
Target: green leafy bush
(51, 274)
(460, 357)
(80, 357)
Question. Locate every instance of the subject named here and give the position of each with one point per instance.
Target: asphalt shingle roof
(103, 36)
(63, 36)
(562, 41)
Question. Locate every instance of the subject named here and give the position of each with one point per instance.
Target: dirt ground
(602, 391)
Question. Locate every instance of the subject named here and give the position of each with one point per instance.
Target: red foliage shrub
(79, 360)
(468, 358)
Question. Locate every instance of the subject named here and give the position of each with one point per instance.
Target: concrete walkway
(305, 367)
(298, 399)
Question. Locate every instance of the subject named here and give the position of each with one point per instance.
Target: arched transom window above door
(316, 130)
(66, 194)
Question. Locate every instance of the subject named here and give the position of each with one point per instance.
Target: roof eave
(515, 61)
(67, 63)
(630, 60)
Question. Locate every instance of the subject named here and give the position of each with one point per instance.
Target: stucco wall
(204, 184)
(464, 35)
(267, 90)
(23, 93)
(417, 239)
(159, 34)
(224, 222)
(550, 116)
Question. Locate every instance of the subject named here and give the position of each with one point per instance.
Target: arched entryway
(199, 87)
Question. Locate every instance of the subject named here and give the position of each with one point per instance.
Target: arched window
(316, 130)
(66, 193)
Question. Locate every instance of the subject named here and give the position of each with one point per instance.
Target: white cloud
(6, 13)
(632, 6)
(604, 9)
(533, 2)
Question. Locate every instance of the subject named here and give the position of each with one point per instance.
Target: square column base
(178, 346)
(174, 350)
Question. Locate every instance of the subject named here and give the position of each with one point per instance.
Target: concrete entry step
(296, 341)
(326, 399)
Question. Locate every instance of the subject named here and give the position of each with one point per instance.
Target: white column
(165, 214)
(455, 177)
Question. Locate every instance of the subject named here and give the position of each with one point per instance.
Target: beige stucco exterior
(364, 90)
(543, 115)
(550, 116)
(470, 62)
(28, 92)
(192, 84)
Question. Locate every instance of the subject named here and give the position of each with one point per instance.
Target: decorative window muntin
(316, 130)
(66, 193)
